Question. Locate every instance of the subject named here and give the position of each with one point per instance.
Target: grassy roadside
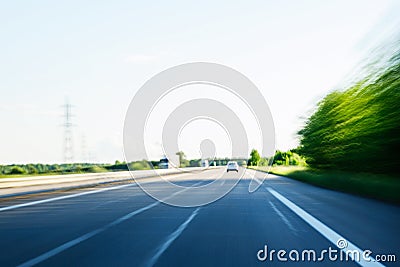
(381, 187)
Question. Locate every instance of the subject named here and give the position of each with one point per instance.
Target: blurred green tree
(183, 162)
(254, 158)
(358, 129)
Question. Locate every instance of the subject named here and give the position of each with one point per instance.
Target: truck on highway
(164, 163)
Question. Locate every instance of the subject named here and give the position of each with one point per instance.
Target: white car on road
(232, 166)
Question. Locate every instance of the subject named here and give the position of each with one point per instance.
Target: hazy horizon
(98, 55)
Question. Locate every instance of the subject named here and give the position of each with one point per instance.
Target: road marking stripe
(283, 217)
(63, 197)
(73, 195)
(171, 238)
(327, 232)
(86, 236)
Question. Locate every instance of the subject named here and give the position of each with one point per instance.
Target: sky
(97, 54)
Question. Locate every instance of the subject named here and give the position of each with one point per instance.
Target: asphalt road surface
(122, 226)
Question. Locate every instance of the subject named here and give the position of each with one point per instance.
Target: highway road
(119, 225)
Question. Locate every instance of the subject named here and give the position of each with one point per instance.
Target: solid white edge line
(171, 238)
(324, 230)
(86, 236)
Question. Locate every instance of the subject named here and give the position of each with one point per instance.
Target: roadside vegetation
(350, 143)
(358, 129)
(288, 158)
(22, 170)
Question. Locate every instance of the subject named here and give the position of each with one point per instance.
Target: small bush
(32, 169)
(17, 170)
(96, 169)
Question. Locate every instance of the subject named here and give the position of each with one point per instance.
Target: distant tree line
(49, 168)
(280, 158)
(358, 129)
(37, 169)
